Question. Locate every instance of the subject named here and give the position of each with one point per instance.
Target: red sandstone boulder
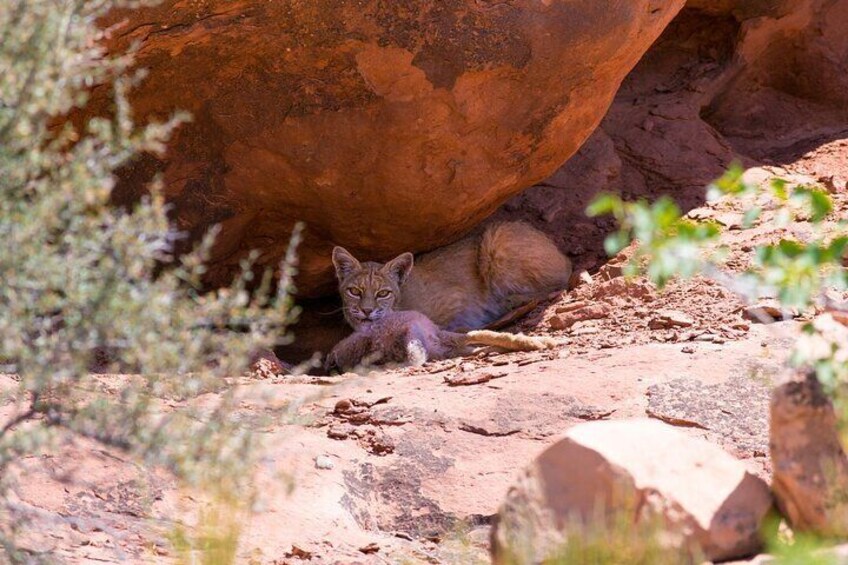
(385, 126)
(629, 476)
(760, 81)
(810, 466)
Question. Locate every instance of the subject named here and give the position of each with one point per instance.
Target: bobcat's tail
(516, 259)
(508, 341)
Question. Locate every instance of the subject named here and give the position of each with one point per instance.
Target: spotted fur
(411, 338)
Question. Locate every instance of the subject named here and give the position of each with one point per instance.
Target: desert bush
(799, 274)
(83, 283)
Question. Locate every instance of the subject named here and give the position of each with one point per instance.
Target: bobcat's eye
(384, 293)
(354, 292)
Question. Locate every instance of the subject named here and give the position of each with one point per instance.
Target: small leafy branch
(797, 273)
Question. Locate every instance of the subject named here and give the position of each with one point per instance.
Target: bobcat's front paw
(331, 363)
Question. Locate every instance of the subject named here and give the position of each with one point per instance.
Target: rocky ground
(413, 463)
(410, 465)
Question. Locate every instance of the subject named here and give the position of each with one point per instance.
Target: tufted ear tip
(400, 267)
(344, 262)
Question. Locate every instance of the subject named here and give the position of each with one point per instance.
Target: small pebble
(324, 462)
(370, 548)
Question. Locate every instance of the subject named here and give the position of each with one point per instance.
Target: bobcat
(411, 338)
(465, 285)
(514, 263)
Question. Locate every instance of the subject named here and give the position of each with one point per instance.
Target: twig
(20, 418)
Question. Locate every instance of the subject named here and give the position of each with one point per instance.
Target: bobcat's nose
(367, 312)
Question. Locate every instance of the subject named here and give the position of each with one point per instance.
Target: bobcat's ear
(399, 267)
(344, 262)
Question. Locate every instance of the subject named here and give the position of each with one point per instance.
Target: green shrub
(796, 273)
(83, 283)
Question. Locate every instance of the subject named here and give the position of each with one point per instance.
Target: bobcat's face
(369, 290)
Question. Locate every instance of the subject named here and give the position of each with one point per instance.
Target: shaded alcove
(756, 82)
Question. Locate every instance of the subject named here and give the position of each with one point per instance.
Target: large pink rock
(639, 472)
(385, 126)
